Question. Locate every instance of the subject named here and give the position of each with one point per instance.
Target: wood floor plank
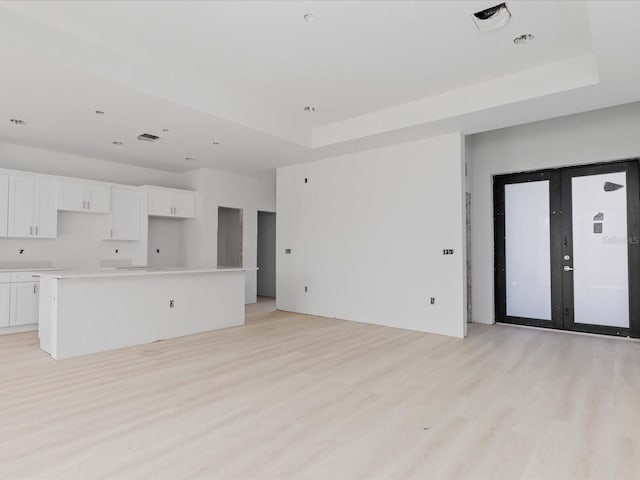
(299, 397)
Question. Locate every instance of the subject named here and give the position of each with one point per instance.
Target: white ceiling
(241, 72)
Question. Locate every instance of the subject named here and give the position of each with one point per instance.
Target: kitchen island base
(84, 313)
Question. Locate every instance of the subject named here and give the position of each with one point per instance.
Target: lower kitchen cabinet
(5, 295)
(23, 304)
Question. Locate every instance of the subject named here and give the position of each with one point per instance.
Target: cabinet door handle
(36, 230)
(111, 233)
(84, 204)
(34, 288)
(88, 204)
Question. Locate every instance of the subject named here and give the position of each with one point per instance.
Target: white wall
(220, 189)
(367, 233)
(598, 136)
(50, 162)
(166, 242)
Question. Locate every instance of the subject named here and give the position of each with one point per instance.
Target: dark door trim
(561, 244)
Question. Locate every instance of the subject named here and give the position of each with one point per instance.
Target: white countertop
(29, 269)
(134, 272)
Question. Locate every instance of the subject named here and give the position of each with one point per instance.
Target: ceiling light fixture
(523, 39)
(216, 143)
(310, 17)
(189, 158)
(165, 129)
(99, 112)
(309, 109)
(17, 121)
(117, 143)
(492, 18)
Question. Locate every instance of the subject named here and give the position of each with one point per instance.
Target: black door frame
(561, 244)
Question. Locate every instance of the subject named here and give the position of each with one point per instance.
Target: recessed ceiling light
(310, 17)
(189, 158)
(309, 109)
(216, 143)
(99, 112)
(117, 143)
(492, 18)
(522, 39)
(17, 121)
(165, 129)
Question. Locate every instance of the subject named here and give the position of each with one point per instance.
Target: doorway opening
(229, 237)
(266, 256)
(567, 248)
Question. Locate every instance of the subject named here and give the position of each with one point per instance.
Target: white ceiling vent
(147, 137)
(492, 18)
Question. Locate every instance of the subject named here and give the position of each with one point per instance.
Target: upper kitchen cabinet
(4, 204)
(124, 219)
(32, 207)
(171, 202)
(83, 197)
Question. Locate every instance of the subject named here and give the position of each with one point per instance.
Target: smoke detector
(148, 137)
(492, 18)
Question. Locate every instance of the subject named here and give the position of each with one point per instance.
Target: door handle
(567, 268)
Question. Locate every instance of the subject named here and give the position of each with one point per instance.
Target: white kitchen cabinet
(83, 197)
(185, 204)
(32, 207)
(4, 204)
(23, 304)
(99, 198)
(124, 220)
(5, 296)
(170, 202)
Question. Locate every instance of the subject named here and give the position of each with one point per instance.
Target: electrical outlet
(306, 289)
(171, 303)
(432, 301)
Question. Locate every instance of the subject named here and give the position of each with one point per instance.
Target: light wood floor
(298, 397)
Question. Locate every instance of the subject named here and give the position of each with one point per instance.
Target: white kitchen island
(88, 312)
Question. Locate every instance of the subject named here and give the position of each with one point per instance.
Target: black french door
(567, 251)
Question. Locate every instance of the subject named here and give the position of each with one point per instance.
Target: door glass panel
(528, 250)
(600, 275)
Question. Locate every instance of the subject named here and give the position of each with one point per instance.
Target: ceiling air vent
(492, 18)
(147, 137)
